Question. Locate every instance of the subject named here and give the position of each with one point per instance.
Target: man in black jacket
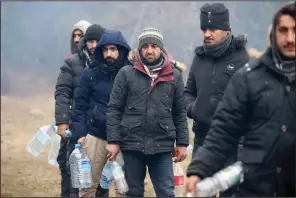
(146, 115)
(214, 63)
(64, 93)
(259, 104)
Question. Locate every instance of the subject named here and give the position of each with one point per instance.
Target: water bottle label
(43, 138)
(85, 164)
(179, 180)
(105, 183)
(118, 173)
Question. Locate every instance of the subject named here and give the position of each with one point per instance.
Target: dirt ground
(22, 174)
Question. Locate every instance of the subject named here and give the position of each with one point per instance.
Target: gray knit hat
(150, 35)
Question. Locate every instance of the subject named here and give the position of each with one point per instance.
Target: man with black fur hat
(65, 87)
(214, 63)
(91, 100)
(259, 104)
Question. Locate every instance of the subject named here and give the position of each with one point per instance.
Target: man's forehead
(110, 46)
(286, 21)
(77, 32)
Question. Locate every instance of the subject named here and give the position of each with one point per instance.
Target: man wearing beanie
(91, 100)
(213, 65)
(66, 84)
(146, 116)
(259, 104)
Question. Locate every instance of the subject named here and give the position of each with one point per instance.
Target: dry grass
(22, 174)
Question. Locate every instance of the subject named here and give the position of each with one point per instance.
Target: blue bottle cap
(77, 145)
(68, 134)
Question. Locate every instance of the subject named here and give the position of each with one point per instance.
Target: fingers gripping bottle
(220, 181)
(55, 147)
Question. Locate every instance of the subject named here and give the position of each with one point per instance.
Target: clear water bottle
(107, 176)
(55, 147)
(119, 178)
(85, 171)
(220, 181)
(41, 139)
(74, 166)
(178, 180)
(80, 168)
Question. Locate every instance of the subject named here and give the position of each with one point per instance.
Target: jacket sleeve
(64, 93)
(82, 103)
(229, 124)
(116, 107)
(179, 115)
(190, 91)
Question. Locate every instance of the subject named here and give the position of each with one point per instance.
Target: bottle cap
(68, 133)
(77, 145)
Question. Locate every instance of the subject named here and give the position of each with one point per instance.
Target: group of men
(115, 99)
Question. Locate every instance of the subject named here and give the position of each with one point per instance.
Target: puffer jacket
(146, 116)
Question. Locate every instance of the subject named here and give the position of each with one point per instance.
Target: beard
(109, 60)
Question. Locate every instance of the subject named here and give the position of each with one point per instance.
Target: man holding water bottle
(65, 87)
(91, 99)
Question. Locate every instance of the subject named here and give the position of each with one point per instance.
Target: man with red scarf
(146, 115)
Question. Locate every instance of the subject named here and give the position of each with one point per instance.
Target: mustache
(289, 45)
(109, 58)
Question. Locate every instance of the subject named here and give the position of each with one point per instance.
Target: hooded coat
(81, 25)
(95, 86)
(259, 104)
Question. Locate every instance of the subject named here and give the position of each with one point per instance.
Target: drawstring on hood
(81, 25)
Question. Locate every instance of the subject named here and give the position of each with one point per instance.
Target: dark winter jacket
(66, 85)
(94, 89)
(147, 117)
(260, 105)
(207, 81)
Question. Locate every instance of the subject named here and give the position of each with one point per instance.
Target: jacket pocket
(129, 127)
(167, 129)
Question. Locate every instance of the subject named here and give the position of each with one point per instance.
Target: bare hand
(62, 129)
(181, 153)
(81, 140)
(190, 185)
(113, 150)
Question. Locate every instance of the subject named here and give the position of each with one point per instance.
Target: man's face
(151, 52)
(110, 53)
(285, 36)
(212, 36)
(77, 34)
(91, 45)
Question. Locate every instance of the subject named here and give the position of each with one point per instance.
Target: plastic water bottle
(107, 176)
(40, 140)
(55, 147)
(85, 171)
(80, 168)
(220, 181)
(178, 180)
(74, 163)
(119, 178)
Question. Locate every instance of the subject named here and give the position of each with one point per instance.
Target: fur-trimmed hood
(254, 53)
(180, 66)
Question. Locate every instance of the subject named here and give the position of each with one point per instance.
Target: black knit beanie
(214, 16)
(94, 32)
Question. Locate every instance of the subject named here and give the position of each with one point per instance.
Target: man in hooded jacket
(66, 84)
(91, 99)
(78, 32)
(259, 104)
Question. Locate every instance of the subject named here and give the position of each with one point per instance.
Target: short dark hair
(288, 9)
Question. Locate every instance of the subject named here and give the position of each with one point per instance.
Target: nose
(291, 36)
(94, 44)
(109, 53)
(149, 49)
(207, 33)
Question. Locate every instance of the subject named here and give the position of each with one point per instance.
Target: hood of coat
(81, 25)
